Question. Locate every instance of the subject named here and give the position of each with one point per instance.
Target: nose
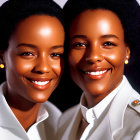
(42, 65)
(94, 54)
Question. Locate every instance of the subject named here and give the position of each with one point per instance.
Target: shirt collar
(11, 120)
(95, 112)
(42, 114)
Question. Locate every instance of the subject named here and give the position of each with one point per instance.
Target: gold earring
(126, 62)
(1, 66)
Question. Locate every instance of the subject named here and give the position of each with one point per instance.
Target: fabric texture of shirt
(91, 115)
(44, 128)
(119, 120)
(101, 106)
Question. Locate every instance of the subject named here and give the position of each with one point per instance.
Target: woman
(31, 44)
(100, 35)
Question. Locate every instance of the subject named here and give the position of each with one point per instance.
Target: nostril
(99, 60)
(93, 60)
(89, 61)
(37, 71)
(40, 70)
(42, 66)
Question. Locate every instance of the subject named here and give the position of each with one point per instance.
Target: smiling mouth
(96, 74)
(41, 84)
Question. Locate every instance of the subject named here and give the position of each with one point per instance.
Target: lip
(96, 74)
(39, 83)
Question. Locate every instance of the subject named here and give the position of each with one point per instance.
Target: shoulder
(66, 119)
(68, 115)
(134, 102)
(50, 124)
(133, 96)
(133, 108)
(131, 120)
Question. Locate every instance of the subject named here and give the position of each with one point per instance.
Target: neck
(25, 111)
(93, 100)
(26, 118)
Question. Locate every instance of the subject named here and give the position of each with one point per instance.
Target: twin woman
(100, 35)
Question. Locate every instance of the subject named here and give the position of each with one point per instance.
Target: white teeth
(40, 82)
(96, 73)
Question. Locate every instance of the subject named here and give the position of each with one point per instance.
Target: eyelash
(26, 54)
(108, 43)
(56, 55)
(79, 45)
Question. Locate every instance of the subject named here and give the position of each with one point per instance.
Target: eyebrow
(33, 46)
(104, 36)
(26, 44)
(79, 36)
(56, 47)
(110, 35)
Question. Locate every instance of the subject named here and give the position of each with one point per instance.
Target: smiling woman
(32, 60)
(32, 40)
(97, 56)
(100, 35)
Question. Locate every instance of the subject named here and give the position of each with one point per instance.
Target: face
(33, 58)
(97, 52)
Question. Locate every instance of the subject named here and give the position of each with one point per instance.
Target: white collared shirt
(11, 129)
(92, 115)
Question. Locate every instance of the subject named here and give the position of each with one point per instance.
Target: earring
(1, 66)
(126, 62)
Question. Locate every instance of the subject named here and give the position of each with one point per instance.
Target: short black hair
(14, 11)
(127, 10)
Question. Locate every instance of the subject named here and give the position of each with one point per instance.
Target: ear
(127, 52)
(1, 56)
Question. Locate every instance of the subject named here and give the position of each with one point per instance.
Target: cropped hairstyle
(127, 10)
(14, 11)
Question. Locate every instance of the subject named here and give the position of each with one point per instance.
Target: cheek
(57, 67)
(22, 66)
(75, 56)
(116, 58)
(74, 59)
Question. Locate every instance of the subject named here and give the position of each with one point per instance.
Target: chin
(96, 91)
(40, 98)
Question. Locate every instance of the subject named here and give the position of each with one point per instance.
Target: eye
(109, 44)
(56, 55)
(79, 45)
(26, 54)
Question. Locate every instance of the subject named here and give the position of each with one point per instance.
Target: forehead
(99, 20)
(42, 31)
(35, 22)
(41, 28)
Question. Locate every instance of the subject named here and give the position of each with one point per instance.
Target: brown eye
(79, 45)
(56, 55)
(26, 54)
(108, 43)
